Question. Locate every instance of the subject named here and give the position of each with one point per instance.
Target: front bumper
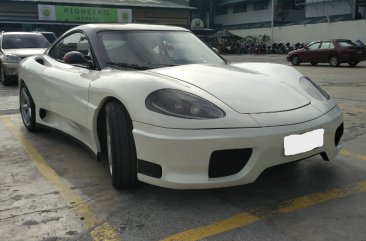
(10, 69)
(184, 155)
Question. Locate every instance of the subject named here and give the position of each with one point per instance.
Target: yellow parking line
(320, 197)
(73, 199)
(348, 153)
(246, 218)
(81, 208)
(352, 109)
(199, 233)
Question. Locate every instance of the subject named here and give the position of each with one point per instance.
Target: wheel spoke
(109, 147)
(25, 107)
(25, 95)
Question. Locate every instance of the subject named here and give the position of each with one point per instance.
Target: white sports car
(163, 108)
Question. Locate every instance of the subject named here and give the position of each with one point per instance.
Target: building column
(354, 9)
(211, 13)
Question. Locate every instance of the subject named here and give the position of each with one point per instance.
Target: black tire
(333, 61)
(295, 60)
(120, 146)
(352, 63)
(4, 78)
(313, 63)
(27, 108)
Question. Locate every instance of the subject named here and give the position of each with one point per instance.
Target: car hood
(24, 52)
(246, 91)
(296, 51)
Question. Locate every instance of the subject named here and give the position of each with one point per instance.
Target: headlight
(11, 58)
(182, 104)
(313, 89)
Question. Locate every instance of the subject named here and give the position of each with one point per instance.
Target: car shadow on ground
(327, 65)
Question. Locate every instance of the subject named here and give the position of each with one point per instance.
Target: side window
(73, 42)
(314, 46)
(327, 45)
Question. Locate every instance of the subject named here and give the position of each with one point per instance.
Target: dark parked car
(50, 36)
(334, 52)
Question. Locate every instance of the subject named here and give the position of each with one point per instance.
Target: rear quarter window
(347, 44)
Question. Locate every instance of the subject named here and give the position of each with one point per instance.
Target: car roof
(23, 33)
(129, 26)
(332, 40)
(341, 40)
(44, 32)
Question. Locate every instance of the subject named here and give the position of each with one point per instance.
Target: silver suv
(14, 46)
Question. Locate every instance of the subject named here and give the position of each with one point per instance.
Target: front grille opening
(228, 162)
(338, 134)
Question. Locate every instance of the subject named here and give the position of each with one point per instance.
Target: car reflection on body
(15, 46)
(334, 52)
(161, 107)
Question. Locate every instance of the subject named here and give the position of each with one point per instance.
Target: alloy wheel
(295, 60)
(25, 107)
(334, 61)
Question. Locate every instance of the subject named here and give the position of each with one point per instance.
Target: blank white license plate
(296, 144)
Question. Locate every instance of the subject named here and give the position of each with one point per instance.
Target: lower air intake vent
(149, 169)
(338, 134)
(228, 162)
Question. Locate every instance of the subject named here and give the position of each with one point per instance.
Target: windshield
(22, 41)
(156, 48)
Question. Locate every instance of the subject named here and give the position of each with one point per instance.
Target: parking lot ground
(51, 188)
(8, 99)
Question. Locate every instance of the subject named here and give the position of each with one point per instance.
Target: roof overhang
(235, 2)
(171, 4)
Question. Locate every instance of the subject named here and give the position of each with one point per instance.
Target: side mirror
(77, 58)
(306, 48)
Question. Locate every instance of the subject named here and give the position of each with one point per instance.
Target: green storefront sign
(86, 14)
(83, 14)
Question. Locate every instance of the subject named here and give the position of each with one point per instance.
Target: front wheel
(333, 61)
(352, 63)
(27, 108)
(120, 146)
(295, 60)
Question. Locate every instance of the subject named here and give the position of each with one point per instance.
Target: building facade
(278, 17)
(60, 15)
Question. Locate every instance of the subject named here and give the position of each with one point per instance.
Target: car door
(67, 85)
(325, 51)
(311, 53)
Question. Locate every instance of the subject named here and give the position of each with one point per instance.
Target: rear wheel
(352, 63)
(120, 146)
(4, 78)
(27, 108)
(333, 61)
(295, 60)
(313, 63)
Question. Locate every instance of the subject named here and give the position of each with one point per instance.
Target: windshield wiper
(162, 64)
(131, 66)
